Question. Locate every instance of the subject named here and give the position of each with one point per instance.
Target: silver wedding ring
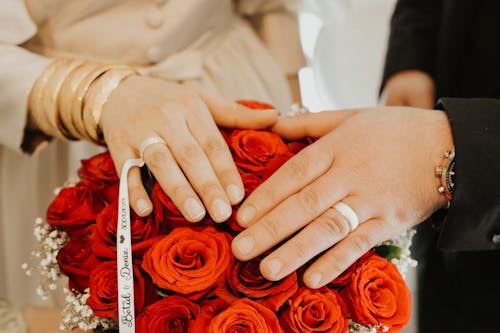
(346, 211)
(149, 142)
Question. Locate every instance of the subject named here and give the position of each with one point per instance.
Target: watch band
(446, 174)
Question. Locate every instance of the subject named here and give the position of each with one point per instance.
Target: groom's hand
(379, 162)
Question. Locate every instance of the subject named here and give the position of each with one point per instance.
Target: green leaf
(389, 251)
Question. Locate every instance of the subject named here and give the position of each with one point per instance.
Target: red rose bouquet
(185, 277)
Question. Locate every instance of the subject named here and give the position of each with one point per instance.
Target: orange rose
(255, 105)
(189, 261)
(245, 315)
(320, 310)
(378, 294)
(245, 280)
(209, 309)
(258, 152)
(345, 278)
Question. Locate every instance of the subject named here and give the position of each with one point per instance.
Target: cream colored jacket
(175, 39)
(206, 42)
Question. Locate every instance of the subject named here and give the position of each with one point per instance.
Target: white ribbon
(125, 269)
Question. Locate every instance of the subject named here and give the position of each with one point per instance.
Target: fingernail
(274, 266)
(245, 215)
(235, 193)
(221, 210)
(245, 244)
(314, 279)
(194, 209)
(142, 206)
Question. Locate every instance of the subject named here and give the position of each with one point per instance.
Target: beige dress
(203, 42)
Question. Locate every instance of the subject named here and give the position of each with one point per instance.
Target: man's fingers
(288, 217)
(395, 100)
(312, 124)
(346, 252)
(299, 171)
(318, 236)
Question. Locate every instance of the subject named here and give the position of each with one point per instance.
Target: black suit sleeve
(413, 37)
(473, 218)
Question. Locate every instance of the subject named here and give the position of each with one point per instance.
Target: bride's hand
(195, 167)
(380, 162)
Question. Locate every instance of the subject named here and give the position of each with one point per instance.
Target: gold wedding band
(149, 142)
(350, 215)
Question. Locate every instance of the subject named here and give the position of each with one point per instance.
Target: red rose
(76, 259)
(167, 213)
(244, 280)
(99, 173)
(171, 314)
(320, 310)
(296, 146)
(258, 152)
(74, 208)
(189, 261)
(143, 231)
(103, 290)
(245, 315)
(378, 294)
(209, 309)
(99, 169)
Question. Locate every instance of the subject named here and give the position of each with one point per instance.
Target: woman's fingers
(233, 115)
(162, 164)
(138, 197)
(196, 166)
(205, 132)
(311, 124)
(294, 175)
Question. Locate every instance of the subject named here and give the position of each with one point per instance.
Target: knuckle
(214, 146)
(210, 189)
(273, 230)
(155, 158)
(180, 191)
(333, 227)
(298, 168)
(299, 250)
(361, 242)
(309, 201)
(190, 154)
(335, 264)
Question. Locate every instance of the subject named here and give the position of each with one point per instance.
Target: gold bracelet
(97, 95)
(66, 96)
(50, 105)
(35, 98)
(78, 97)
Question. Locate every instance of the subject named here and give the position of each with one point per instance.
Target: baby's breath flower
(50, 242)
